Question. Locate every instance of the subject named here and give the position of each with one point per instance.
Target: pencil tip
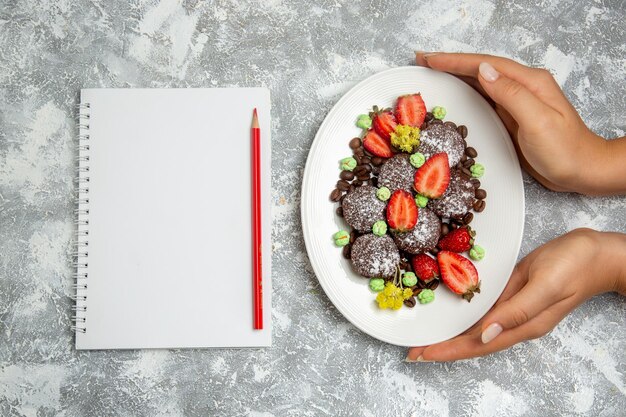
(255, 112)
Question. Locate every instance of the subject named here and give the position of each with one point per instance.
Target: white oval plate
(499, 228)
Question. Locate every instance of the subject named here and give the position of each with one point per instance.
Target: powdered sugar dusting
(457, 199)
(374, 256)
(440, 138)
(423, 237)
(361, 208)
(397, 173)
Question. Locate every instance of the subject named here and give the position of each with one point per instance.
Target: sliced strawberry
(458, 240)
(401, 211)
(376, 145)
(425, 267)
(410, 110)
(384, 123)
(432, 178)
(459, 274)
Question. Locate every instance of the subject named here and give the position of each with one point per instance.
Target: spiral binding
(81, 253)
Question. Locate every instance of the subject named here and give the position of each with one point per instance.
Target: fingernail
(488, 72)
(420, 358)
(490, 333)
(430, 54)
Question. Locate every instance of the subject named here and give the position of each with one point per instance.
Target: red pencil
(257, 274)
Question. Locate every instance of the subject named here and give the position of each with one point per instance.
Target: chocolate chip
(471, 152)
(357, 182)
(339, 211)
(435, 122)
(434, 251)
(364, 177)
(352, 188)
(467, 219)
(429, 117)
(450, 124)
(463, 158)
(343, 185)
(347, 251)
(355, 143)
(416, 290)
(479, 205)
(341, 199)
(353, 236)
(346, 175)
(367, 166)
(475, 182)
(357, 158)
(376, 170)
(410, 302)
(377, 161)
(462, 131)
(432, 285)
(366, 160)
(468, 162)
(359, 152)
(445, 229)
(464, 144)
(480, 194)
(424, 126)
(335, 195)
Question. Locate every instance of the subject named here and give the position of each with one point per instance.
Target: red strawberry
(432, 178)
(458, 240)
(425, 267)
(384, 123)
(459, 274)
(376, 145)
(402, 211)
(410, 110)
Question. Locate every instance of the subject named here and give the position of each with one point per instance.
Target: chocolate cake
(423, 237)
(361, 208)
(397, 173)
(375, 257)
(457, 200)
(438, 138)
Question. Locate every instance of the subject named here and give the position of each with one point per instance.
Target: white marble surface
(308, 54)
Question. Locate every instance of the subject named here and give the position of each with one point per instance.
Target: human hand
(553, 143)
(544, 287)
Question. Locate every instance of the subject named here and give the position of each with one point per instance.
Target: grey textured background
(308, 55)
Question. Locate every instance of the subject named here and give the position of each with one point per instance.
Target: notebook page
(170, 263)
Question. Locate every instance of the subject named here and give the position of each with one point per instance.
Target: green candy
(342, 238)
(383, 193)
(379, 228)
(377, 284)
(347, 164)
(477, 170)
(477, 253)
(421, 201)
(426, 296)
(417, 159)
(409, 279)
(364, 121)
(439, 112)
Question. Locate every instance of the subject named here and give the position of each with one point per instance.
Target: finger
(473, 82)
(470, 346)
(539, 81)
(529, 302)
(414, 353)
(521, 104)
(420, 60)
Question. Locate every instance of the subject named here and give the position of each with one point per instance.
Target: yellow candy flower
(392, 297)
(406, 138)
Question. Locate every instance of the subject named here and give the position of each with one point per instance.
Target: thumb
(521, 104)
(528, 303)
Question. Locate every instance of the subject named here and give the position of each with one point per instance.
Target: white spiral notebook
(164, 236)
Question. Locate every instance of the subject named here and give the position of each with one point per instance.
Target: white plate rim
(307, 184)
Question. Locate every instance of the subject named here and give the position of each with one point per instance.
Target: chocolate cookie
(361, 208)
(438, 138)
(423, 237)
(457, 200)
(375, 257)
(397, 173)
